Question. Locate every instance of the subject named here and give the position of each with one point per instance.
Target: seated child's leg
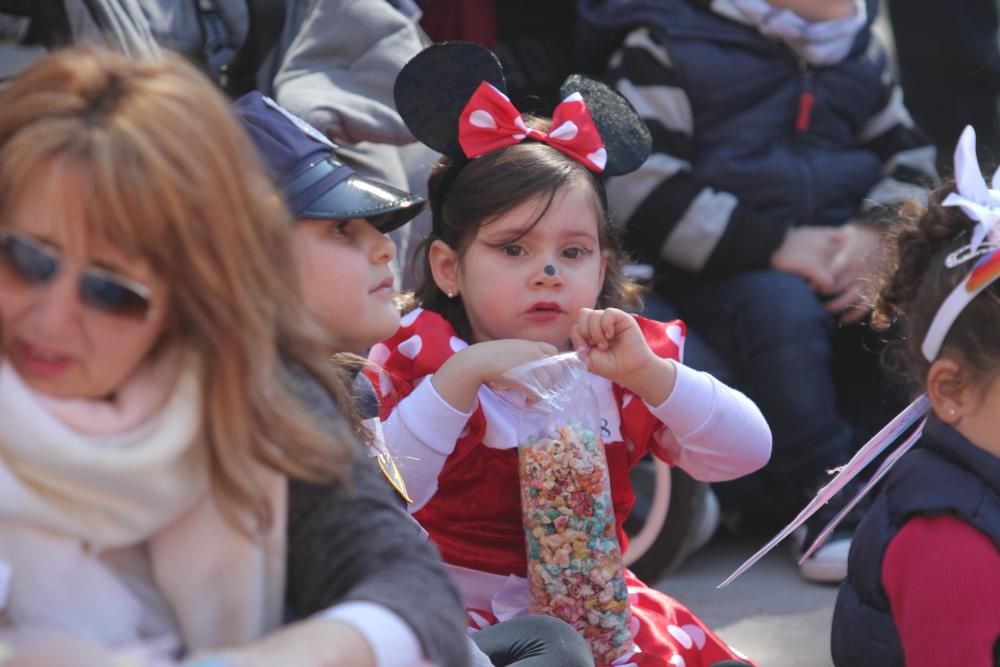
(773, 332)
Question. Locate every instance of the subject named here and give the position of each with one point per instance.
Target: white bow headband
(981, 204)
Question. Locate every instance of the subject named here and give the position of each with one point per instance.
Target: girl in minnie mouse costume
(522, 263)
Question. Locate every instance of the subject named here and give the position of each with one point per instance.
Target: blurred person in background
(182, 471)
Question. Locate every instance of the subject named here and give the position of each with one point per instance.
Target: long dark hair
(466, 194)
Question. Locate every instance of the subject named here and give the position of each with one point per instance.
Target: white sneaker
(826, 565)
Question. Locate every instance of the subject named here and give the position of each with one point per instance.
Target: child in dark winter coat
(778, 139)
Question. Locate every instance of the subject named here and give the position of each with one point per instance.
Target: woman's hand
(460, 377)
(52, 648)
(617, 350)
(311, 643)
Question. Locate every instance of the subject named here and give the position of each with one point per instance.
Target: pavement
(769, 613)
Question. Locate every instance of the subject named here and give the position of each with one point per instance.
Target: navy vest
(746, 94)
(946, 474)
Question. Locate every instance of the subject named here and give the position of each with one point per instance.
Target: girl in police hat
(343, 252)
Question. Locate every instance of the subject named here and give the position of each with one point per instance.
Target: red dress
(475, 515)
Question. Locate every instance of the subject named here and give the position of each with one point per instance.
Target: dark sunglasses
(33, 262)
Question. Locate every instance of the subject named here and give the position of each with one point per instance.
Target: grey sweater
(353, 542)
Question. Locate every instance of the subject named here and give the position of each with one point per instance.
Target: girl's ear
(443, 261)
(949, 390)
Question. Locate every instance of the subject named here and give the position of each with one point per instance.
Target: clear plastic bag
(575, 567)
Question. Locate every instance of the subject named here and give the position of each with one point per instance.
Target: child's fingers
(852, 315)
(595, 330)
(547, 349)
(579, 344)
(582, 326)
(840, 302)
(609, 319)
(824, 280)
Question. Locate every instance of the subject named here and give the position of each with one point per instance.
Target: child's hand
(617, 348)
(619, 352)
(853, 268)
(808, 252)
(459, 378)
(494, 358)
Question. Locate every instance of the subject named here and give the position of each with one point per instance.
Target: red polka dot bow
(489, 121)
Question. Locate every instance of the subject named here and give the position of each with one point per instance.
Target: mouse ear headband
(453, 98)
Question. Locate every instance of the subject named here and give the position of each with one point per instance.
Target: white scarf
(66, 497)
(818, 43)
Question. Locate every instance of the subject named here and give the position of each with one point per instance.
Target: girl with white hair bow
(923, 583)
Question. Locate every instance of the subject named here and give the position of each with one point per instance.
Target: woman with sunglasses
(175, 477)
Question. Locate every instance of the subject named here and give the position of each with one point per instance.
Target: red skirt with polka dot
(666, 633)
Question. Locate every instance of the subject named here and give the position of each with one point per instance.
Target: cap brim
(355, 197)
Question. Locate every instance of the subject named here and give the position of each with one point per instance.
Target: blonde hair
(169, 176)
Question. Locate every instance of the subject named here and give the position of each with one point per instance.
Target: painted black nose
(549, 270)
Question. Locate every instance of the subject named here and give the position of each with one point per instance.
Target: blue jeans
(780, 347)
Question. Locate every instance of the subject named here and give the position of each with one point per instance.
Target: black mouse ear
(624, 134)
(433, 88)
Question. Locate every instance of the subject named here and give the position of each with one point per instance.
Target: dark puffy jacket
(946, 475)
(744, 92)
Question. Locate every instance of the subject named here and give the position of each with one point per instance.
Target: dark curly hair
(466, 194)
(914, 283)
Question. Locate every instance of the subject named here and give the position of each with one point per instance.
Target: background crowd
(784, 138)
